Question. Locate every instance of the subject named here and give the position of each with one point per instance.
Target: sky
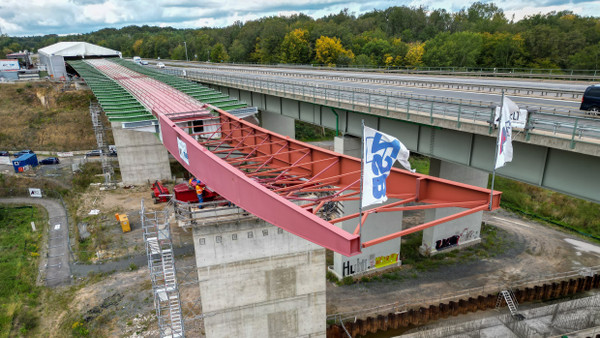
(40, 17)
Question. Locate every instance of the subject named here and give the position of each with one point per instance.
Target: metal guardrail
(575, 127)
(443, 84)
(514, 72)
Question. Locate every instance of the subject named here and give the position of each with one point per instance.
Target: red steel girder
(263, 172)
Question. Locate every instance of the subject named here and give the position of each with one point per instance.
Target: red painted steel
(281, 180)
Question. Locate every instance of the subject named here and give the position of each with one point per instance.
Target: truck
(25, 162)
(137, 60)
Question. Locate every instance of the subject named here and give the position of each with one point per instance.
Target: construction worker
(199, 192)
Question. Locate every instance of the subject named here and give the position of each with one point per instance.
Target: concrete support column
(257, 280)
(461, 232)
(142, 156)
(347, 145)
(278, 123)
(378, 256)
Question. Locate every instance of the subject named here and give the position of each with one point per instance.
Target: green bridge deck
(120, 106)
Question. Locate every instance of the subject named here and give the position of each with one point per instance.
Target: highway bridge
(447, 118)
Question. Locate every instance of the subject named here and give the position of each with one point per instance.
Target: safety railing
(514, 72)
(441, 83)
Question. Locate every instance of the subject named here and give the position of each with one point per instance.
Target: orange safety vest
(199, 189)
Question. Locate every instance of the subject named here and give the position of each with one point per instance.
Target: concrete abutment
(142, 156)
(257, 280)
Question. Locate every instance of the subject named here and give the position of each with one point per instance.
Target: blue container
(20, 163)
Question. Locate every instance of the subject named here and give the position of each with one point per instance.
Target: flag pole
(496, 151)
(362, 167)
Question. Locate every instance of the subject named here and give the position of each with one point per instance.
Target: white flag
(380, 153)
(504, 148)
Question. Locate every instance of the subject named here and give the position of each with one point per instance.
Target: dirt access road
(55, 267)
(532, 250)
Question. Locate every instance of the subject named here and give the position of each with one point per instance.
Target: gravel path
(56, 269)
(533, 251)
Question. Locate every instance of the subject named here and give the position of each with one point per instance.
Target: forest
(478, 36)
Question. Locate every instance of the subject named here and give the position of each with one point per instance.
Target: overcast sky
(40, 17)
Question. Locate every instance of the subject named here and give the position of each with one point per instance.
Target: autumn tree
(295, 47)
(329, 51)
(414, 56)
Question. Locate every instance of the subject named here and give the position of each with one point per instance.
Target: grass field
(40, 116)
(19, 253)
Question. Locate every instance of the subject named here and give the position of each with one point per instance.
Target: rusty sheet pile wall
(422, 316)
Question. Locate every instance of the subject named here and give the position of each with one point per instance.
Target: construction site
(262, 235)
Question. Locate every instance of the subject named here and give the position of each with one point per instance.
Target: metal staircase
(161, 263)
(511, 301)
(99, 131)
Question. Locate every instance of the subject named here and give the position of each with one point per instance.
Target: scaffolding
(100, 132)
(161, 263)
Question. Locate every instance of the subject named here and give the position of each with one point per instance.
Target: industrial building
(53, 57)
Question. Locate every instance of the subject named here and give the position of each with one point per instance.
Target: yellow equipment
(122, 218)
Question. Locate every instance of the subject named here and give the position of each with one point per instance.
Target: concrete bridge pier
(142, 156)
(386, 254)
(257, 280)
(278, 123)
(461, 232)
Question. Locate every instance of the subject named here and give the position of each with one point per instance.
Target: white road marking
(56, 226)
(512, 221)
(583, 246)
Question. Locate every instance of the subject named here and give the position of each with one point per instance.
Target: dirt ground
(121, 303)
(112, 243)
(534, 251)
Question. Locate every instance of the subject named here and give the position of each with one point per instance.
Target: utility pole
(186, 57)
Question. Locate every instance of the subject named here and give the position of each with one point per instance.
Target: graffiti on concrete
(358, 265)
(355, 266)
(467, 234)
(382, 261)
(447, 242)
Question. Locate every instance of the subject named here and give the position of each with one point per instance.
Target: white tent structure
(53, 56)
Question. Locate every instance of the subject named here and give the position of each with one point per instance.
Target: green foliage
(479, 35)
(87, 174)
(18, 269)
(330, 276)
(307, 132)
(219, 54)
(79, 330)
(453, 50)
(563, 210)
(419, 163)
(348, 280)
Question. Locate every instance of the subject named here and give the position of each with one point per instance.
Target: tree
(267, 47)
(376, 49)
(502, 50)
(587, 58)
(178, 53)
(237, 51)
(362, 60)
(330, 51)
(218, 53)
(414, 56)
(295, 47)
(453, 50)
